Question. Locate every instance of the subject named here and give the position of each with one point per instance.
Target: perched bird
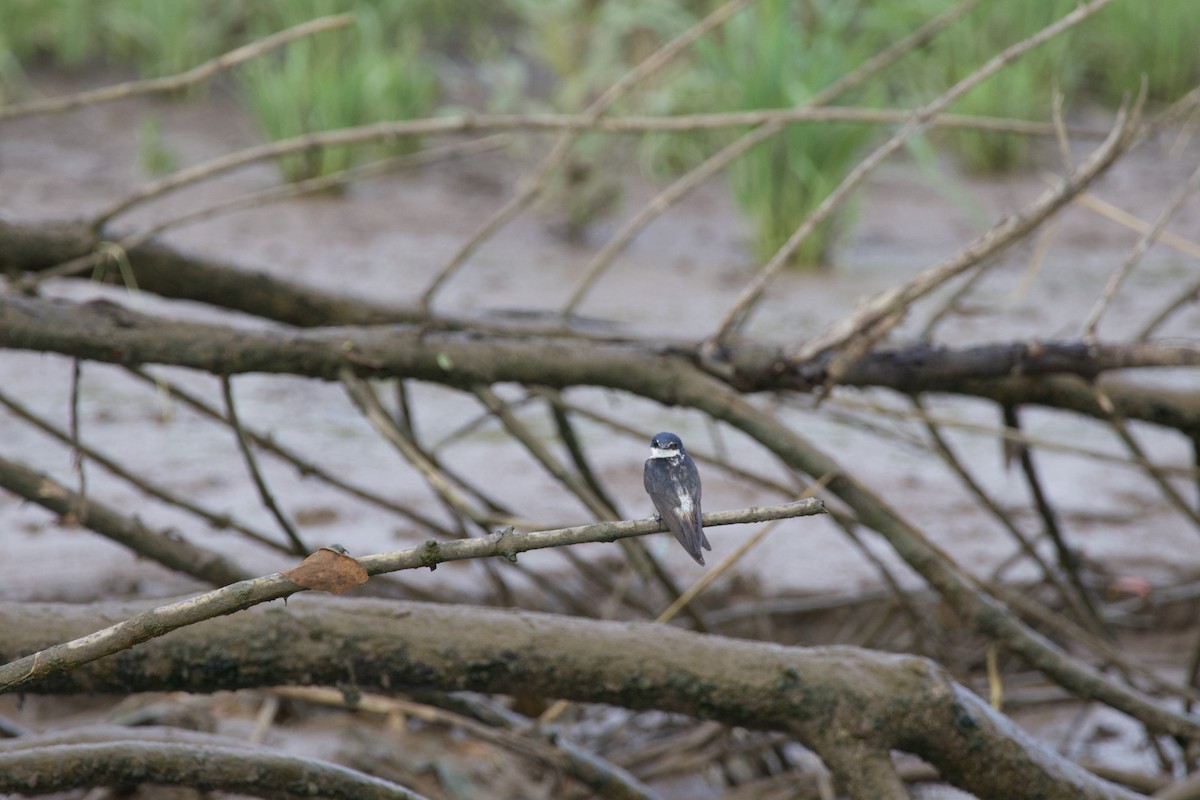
(673, 483)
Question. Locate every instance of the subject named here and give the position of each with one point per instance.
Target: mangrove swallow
(673, 483)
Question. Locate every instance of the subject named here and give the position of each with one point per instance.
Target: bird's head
(666, 445)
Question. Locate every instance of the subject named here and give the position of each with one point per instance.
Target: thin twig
(570, 439)
(73, 434)
(1122, 430)
(119, 248)
(1060, 130)
(163, 546)
(917, 123)
(662, 201)
(951, 305)
(302, 466)
(264, 492)
(752, 478)
(1081, 599)
(573, 123)
(182, 80)
(596, 506)
(214, 519)
(1014, 436)
(450, 490)
(1189, 295)
(850, 527)
(1009, 230)
(1103, 208)
(159, 621)
(333, 180)
(730, 561)
(441, 483)
(1136, 253)
(541, 453)
(1082, 607)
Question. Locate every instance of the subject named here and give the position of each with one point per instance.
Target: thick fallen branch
(455, 354)
(924, 366)
(163, 270)
(227, 768)
(167, 549)
(851, 706)
(605, 779)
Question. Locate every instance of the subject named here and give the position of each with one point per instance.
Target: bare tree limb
(246, 593)
(235, 769)
(162, 270)
(1020, 373)
(303, 466)
(1009, 230)
(471, 123)
(975, 606)
(1144, 243)
(182, 80)
(260, 483)
(165, 547)
(835, 700)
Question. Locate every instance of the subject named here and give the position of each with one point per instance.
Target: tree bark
(452, 353)
(835, 700)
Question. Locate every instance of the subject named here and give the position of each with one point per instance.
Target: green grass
(587, 46)
(1159, 38)
(1100, 61)
(528, 55)
(777, 55)
(163, 38)
(367, 73)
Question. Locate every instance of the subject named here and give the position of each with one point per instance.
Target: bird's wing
(683, 522)
(694, 477)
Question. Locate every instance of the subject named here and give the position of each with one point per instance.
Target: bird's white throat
(658, 452)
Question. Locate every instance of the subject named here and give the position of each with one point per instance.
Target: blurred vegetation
(412, 58)
(778, 55)
(375, 70)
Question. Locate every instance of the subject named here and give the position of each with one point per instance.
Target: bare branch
(1135, 254)
(182, 80)
(260, 483)
(165, 547)
(1022, 373)
(463, 124)
(829, 698)
(151, 488)
(302, 465)
(233, 769)
(1001, 236)
(246, 593)
(975, 606)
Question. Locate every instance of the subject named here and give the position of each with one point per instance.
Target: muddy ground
(385, 238)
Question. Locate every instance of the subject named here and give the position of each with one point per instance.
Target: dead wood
(839, 701)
